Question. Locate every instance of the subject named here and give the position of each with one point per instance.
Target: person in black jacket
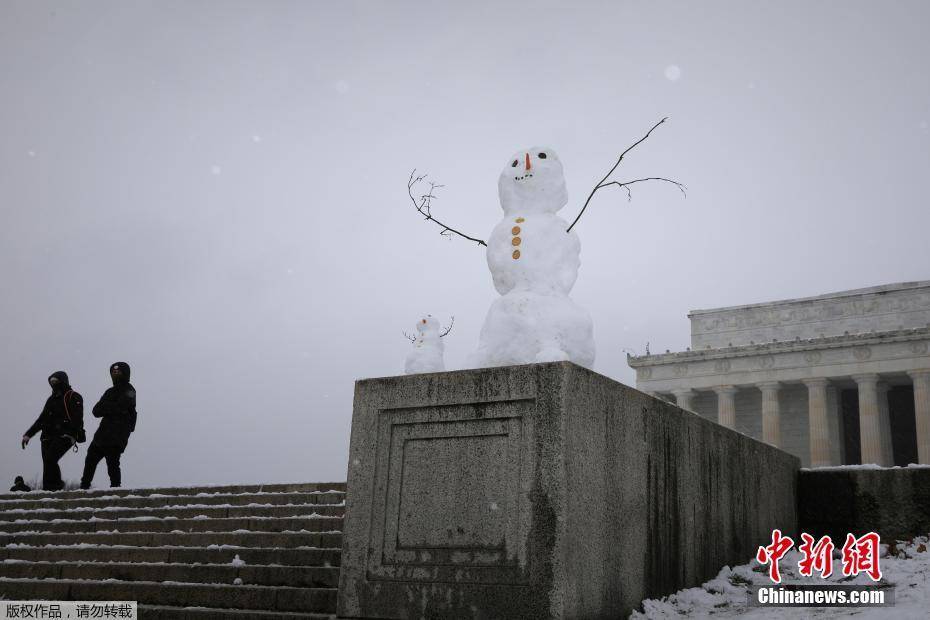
(19, 485)
(62, 426)
(117, 407)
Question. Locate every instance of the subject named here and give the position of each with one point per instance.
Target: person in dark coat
(62, 426)
(117, 408)
(19, 485)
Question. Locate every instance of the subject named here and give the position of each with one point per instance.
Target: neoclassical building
(841, 378)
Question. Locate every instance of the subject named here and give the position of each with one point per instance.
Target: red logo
(817, 557)
(774, 552)
(860, 555)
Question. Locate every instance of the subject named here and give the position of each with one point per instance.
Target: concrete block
(895, 502)
(543, 491)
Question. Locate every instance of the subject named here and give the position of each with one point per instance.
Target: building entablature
(889, 352)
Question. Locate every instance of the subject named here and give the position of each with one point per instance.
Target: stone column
(884, 423)
(817, 421)
(922, 413)
(683, 398)
(771, 416)
(835, 422)
(726, 405)
(871, 434)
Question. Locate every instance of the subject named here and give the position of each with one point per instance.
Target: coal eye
(542, 155)
(514, 164)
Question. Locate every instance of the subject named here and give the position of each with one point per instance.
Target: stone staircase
(263, 551)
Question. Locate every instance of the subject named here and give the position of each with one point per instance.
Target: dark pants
(97, 452)
(52, 451)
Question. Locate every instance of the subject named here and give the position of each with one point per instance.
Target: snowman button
(515, 230)
(516, 254)
(519, 220)
(516, 241)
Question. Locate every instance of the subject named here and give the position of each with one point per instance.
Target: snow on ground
(860, 467)
(906, 567)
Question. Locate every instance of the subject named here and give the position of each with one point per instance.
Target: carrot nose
(528, 161)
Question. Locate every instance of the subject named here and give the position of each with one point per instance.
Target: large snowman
(534, 263)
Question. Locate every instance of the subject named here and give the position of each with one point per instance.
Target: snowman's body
(534, 264)
(428, 348)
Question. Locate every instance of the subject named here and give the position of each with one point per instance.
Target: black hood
(62, 385)
(123, 378)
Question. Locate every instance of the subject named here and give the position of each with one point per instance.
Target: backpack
(81, 436)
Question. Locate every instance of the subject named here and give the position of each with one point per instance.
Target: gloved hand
(25, 441)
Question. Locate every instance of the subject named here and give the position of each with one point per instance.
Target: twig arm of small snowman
(423, 206)
(625, 184)
(448, 329)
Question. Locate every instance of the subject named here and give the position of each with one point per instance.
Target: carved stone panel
(434, 522)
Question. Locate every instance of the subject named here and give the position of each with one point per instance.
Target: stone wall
(893, 502)
(544, 491)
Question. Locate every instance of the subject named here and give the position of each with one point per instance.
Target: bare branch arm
(423, 207)
(625, 185)
(604, 183)
(449, 329)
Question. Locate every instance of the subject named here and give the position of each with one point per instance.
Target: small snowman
(534, 264)
(428, 347)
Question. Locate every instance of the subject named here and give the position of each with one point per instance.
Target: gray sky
(214, 192)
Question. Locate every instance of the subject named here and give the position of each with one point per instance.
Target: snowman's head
(533, 182)
(428, 326)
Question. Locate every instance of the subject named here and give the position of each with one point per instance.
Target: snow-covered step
(185, 539)
(262, 575)
(294, 487)
(269, 598)
(187, 555)
(266, 552)
(162, 499)
(312, 522)
(180, 512)
(160, 612)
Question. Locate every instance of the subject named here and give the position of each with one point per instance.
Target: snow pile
(905, 566)
(534, 264)
(237, 561)
(863, 466)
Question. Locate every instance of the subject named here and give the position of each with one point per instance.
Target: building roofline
(781, 346)
(872, 290)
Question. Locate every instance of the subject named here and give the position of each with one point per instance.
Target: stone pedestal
(543, 491)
